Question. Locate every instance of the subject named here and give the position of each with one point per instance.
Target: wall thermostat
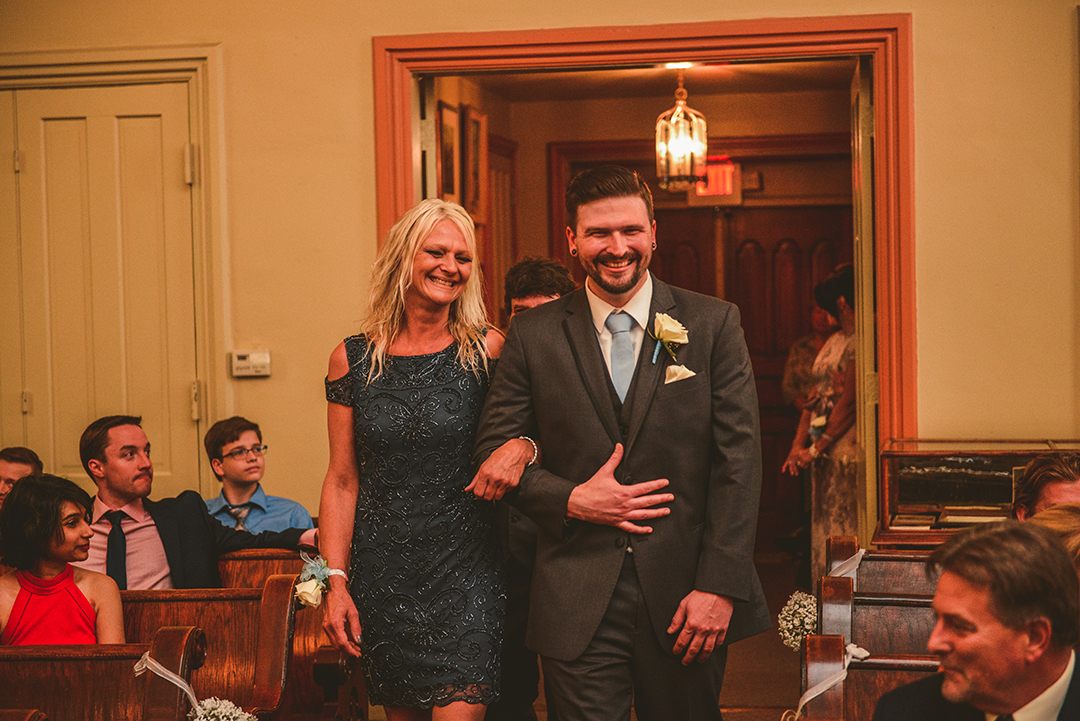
(250, 363)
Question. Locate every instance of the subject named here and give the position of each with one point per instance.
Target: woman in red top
(44, 525)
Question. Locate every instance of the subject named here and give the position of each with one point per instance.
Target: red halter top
(49, 611)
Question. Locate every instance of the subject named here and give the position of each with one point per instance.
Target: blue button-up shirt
(268, 513)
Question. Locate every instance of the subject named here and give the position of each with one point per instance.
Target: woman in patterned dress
(426, 603)
(826, 439)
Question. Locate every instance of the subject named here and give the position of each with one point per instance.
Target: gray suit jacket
(701, 433)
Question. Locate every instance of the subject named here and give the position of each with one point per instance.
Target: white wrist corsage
(313, 580)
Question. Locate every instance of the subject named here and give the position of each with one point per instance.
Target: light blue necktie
(622, 351)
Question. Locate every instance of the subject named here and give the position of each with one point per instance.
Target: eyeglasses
(242, 453)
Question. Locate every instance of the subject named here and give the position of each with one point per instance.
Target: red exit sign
(722, 185)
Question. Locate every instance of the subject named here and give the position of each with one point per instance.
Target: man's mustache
(612, 258)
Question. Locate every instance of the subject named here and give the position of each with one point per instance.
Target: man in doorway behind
(143, 544)
(17, 463)
(529, 283)
(1008, 617)
(238, 458)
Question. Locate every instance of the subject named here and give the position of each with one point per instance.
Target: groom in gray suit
(642, 401)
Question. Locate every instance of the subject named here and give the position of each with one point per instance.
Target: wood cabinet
(930, 488)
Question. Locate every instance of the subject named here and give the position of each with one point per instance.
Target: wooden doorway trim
(887, 39)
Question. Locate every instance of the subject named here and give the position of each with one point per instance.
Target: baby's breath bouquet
(798, 619)
(216, 709)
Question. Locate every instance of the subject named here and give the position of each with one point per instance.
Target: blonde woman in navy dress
(424, 596)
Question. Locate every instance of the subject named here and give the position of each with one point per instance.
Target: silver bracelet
(536, 449)
(337, 572)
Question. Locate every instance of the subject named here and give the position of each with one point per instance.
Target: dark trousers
(520, 666)
(625, 662)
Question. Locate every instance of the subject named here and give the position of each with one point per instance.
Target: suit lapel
(581, 334)
(649, 373)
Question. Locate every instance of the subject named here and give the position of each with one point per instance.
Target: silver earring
(654, 246)
(573, 251)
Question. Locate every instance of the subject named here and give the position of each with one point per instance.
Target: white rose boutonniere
(669, 334)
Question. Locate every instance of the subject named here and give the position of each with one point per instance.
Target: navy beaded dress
(426, 566)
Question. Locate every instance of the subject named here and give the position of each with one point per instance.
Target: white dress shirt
(638, 309)
(1047, 705)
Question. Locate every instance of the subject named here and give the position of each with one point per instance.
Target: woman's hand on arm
(502, 470)
(337, 512)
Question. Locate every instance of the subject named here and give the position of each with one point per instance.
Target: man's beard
(595, 272)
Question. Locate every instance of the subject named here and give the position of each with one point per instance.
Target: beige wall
(997, 185)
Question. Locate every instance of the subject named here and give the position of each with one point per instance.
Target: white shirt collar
(638, 306)
(1047, 705)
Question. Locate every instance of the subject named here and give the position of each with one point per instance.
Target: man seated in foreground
(17, 463)
(238, 459)
(141, 544)
(1048, 480)
(1008, 617)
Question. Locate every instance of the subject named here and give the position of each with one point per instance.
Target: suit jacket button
(619, 542)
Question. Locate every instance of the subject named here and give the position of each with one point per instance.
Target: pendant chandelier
(681, 144)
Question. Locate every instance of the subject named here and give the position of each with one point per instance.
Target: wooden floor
(762, 677)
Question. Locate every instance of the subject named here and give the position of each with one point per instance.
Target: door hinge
(189, 164)
(17, 161)
(26, 403)
(871, 387)
(196, 400)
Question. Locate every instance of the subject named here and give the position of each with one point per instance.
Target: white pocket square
(678, 373)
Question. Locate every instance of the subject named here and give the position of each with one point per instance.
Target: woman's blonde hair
(1064, 520)
(392, 277)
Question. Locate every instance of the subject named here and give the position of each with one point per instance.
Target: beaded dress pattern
(426, 566)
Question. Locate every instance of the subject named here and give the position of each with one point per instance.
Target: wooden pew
(22, 715)
(316, 670)
(98, 682)
(882, 623)
(881, 571)
(249, 636)
(854, 698)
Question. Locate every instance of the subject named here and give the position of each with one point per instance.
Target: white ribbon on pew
(850, 566)
(850, 651)
(146, 663)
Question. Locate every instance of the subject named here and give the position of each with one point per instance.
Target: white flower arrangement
(216, 709)
(211, 709)
(798, 619)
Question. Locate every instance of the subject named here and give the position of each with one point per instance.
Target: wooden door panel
(107, 270)
(775, 257)
(685, 254)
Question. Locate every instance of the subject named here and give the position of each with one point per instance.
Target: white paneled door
(105, 274)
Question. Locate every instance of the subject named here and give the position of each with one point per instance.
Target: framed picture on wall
(448, 155)
(474, 162)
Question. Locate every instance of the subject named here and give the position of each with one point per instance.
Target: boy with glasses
(237, 457)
